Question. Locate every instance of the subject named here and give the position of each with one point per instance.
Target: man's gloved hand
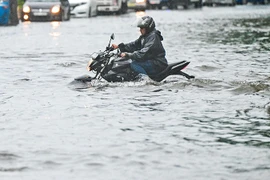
(125, 55)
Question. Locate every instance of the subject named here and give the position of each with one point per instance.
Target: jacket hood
(159, 34)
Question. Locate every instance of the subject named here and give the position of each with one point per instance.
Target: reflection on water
(140, 13)
(55, 24)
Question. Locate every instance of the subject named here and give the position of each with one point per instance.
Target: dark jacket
(146, 47)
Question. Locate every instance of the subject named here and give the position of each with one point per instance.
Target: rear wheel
(172, 5)
(198, 4)
(89, 13)
(123, 9)
(13, 16)
(68, 15)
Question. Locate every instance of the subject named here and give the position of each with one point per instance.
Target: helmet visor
(140, 22)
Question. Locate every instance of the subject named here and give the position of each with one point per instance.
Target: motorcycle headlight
(55, 9)
(89, 64)
(26, 9)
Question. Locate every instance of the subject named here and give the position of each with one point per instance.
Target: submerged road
(215, 126)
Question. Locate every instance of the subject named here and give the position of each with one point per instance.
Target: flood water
(216, 126)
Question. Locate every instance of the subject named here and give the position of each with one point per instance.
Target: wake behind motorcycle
(110, 66)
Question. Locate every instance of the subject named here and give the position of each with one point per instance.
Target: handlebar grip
(109, 48)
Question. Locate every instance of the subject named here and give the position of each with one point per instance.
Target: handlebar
(110, 53)
(109, 48)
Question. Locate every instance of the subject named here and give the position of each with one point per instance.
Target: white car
(83, 8)
(137, 5)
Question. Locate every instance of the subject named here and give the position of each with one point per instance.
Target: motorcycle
(110, 66)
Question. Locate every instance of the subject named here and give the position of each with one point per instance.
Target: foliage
(20, 3)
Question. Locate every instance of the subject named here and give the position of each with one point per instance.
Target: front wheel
(61, 16)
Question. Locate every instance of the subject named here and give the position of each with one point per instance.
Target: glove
(128, 55)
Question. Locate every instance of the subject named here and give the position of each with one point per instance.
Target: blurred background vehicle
(83, 8)
(153, 4)
(112, 6)
(45, 10)
(8, 12)
(233, 2)
(258, 1)
(137, 5)
(173, 4)
(240, 1)
(219, 2)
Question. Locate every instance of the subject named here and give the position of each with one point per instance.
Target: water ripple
(174, 129)
(14, 169)
(7, 156)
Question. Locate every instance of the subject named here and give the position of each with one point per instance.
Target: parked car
(153, 4)
(83, 8)
(241, 1)
(173, 4)
(112, 6)
(257, 1)
(137, 5)
(45, 10)
(219, 2)
(8, 12)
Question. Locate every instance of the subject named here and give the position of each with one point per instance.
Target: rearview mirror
(112, 36)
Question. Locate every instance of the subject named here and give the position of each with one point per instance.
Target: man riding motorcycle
(147, 52)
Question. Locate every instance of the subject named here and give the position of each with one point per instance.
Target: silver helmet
(146, 22)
